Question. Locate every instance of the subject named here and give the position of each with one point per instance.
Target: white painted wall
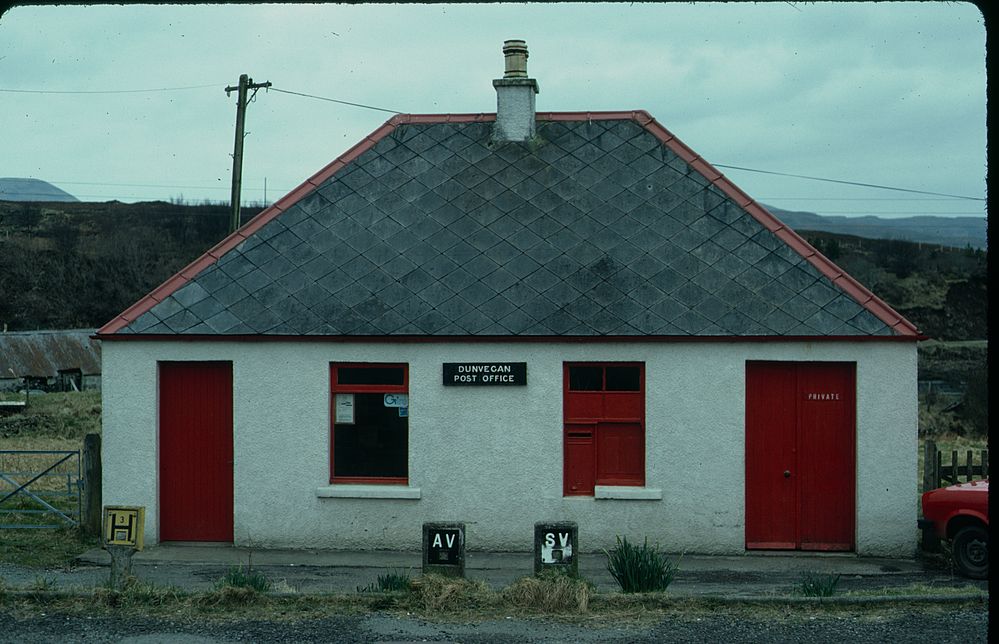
(492, 456)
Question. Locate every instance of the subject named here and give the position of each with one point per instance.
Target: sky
(890, 94)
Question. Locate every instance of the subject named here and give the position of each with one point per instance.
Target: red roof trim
(852, 287)
(528, 339)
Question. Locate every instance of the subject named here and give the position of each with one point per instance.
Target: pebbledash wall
(492, 456)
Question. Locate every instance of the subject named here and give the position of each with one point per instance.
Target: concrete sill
(368, 492)
(627, 493)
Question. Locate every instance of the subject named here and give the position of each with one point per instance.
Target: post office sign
(478, 374)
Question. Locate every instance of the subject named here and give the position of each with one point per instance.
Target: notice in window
(344, 409)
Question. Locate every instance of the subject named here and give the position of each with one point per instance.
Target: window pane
(586, 378)
(370, 375)
(376, 445)
(624, 379)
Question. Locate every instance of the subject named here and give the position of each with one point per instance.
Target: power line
(849, 183)
(334, 100)
(105, 91)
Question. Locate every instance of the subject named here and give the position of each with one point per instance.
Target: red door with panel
(195, 451)
(800, 455)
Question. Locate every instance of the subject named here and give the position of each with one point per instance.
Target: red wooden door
(195, 451)
(800, 455)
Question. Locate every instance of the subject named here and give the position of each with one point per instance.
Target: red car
(960, 513)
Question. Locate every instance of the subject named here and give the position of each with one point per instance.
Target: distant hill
(13, 189)
(959, 232)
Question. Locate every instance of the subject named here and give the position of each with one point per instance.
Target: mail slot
(579, 455)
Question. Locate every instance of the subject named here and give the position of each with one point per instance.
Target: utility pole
(245, 84)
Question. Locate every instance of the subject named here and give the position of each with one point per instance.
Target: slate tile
(221, 321)
(508, 201)
(687, 265)
(403, 240)
(691, 323)
(797, 279)
(375, 281)
(712, 308)
(389, 322)
(437, 154)
(820, 292)
(605, 294)
(563, 266)
(439, 267)
(800, 308)
(443, 240)
(237, 266)
(499, 280)
(431, 322)
(626, 309)
(358, 268)
(457, 280)
(479, 266)
(844, 307)
(497, 307)
(412, 308)
(773, 266)
(425, 228)
(447, 214)
(398, 267)
(473, 323)
(561, 294)
(560, 322)
(690, 294)
(503, 253)
(517, 322)
(647, 293)
(143, 322)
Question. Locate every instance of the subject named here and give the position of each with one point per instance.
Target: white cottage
(508, 318)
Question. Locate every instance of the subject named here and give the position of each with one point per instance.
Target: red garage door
(800, 455)
(195, 451)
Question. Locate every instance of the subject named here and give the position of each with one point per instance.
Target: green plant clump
(239, 577)
(640, 569)
(814, 584)
(389, 582)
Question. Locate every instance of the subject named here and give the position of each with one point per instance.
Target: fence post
(91, 519)
(929, 465)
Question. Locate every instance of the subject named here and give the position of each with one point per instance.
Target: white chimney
(515, 96)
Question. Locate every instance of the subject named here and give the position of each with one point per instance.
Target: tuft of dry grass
(549, 592)
(440, 594)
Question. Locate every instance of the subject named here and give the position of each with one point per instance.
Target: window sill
(627, 492)
(368, 492)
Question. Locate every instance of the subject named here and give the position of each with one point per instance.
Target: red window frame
(337, 388)
(588, 413)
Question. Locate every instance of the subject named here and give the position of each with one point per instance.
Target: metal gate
(39, 489)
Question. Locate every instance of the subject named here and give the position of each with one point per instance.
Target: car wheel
(971, 552)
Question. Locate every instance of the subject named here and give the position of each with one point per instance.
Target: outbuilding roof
(43, 354)
(603, 225)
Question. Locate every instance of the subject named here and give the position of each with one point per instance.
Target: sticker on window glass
(397, 400)
(344, 409)
(404, 412)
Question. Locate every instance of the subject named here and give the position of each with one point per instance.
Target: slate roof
(603, 225)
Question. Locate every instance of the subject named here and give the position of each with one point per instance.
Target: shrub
(389, 582)
(640, 569)
(239, 577)
(814, 584)
(551, 591)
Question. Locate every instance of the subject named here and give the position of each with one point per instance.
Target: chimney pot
(515, 53)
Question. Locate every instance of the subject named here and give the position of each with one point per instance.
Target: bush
(640, 569)
(814, 584)
(551, 591)
(389, 582)
(239, 577)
